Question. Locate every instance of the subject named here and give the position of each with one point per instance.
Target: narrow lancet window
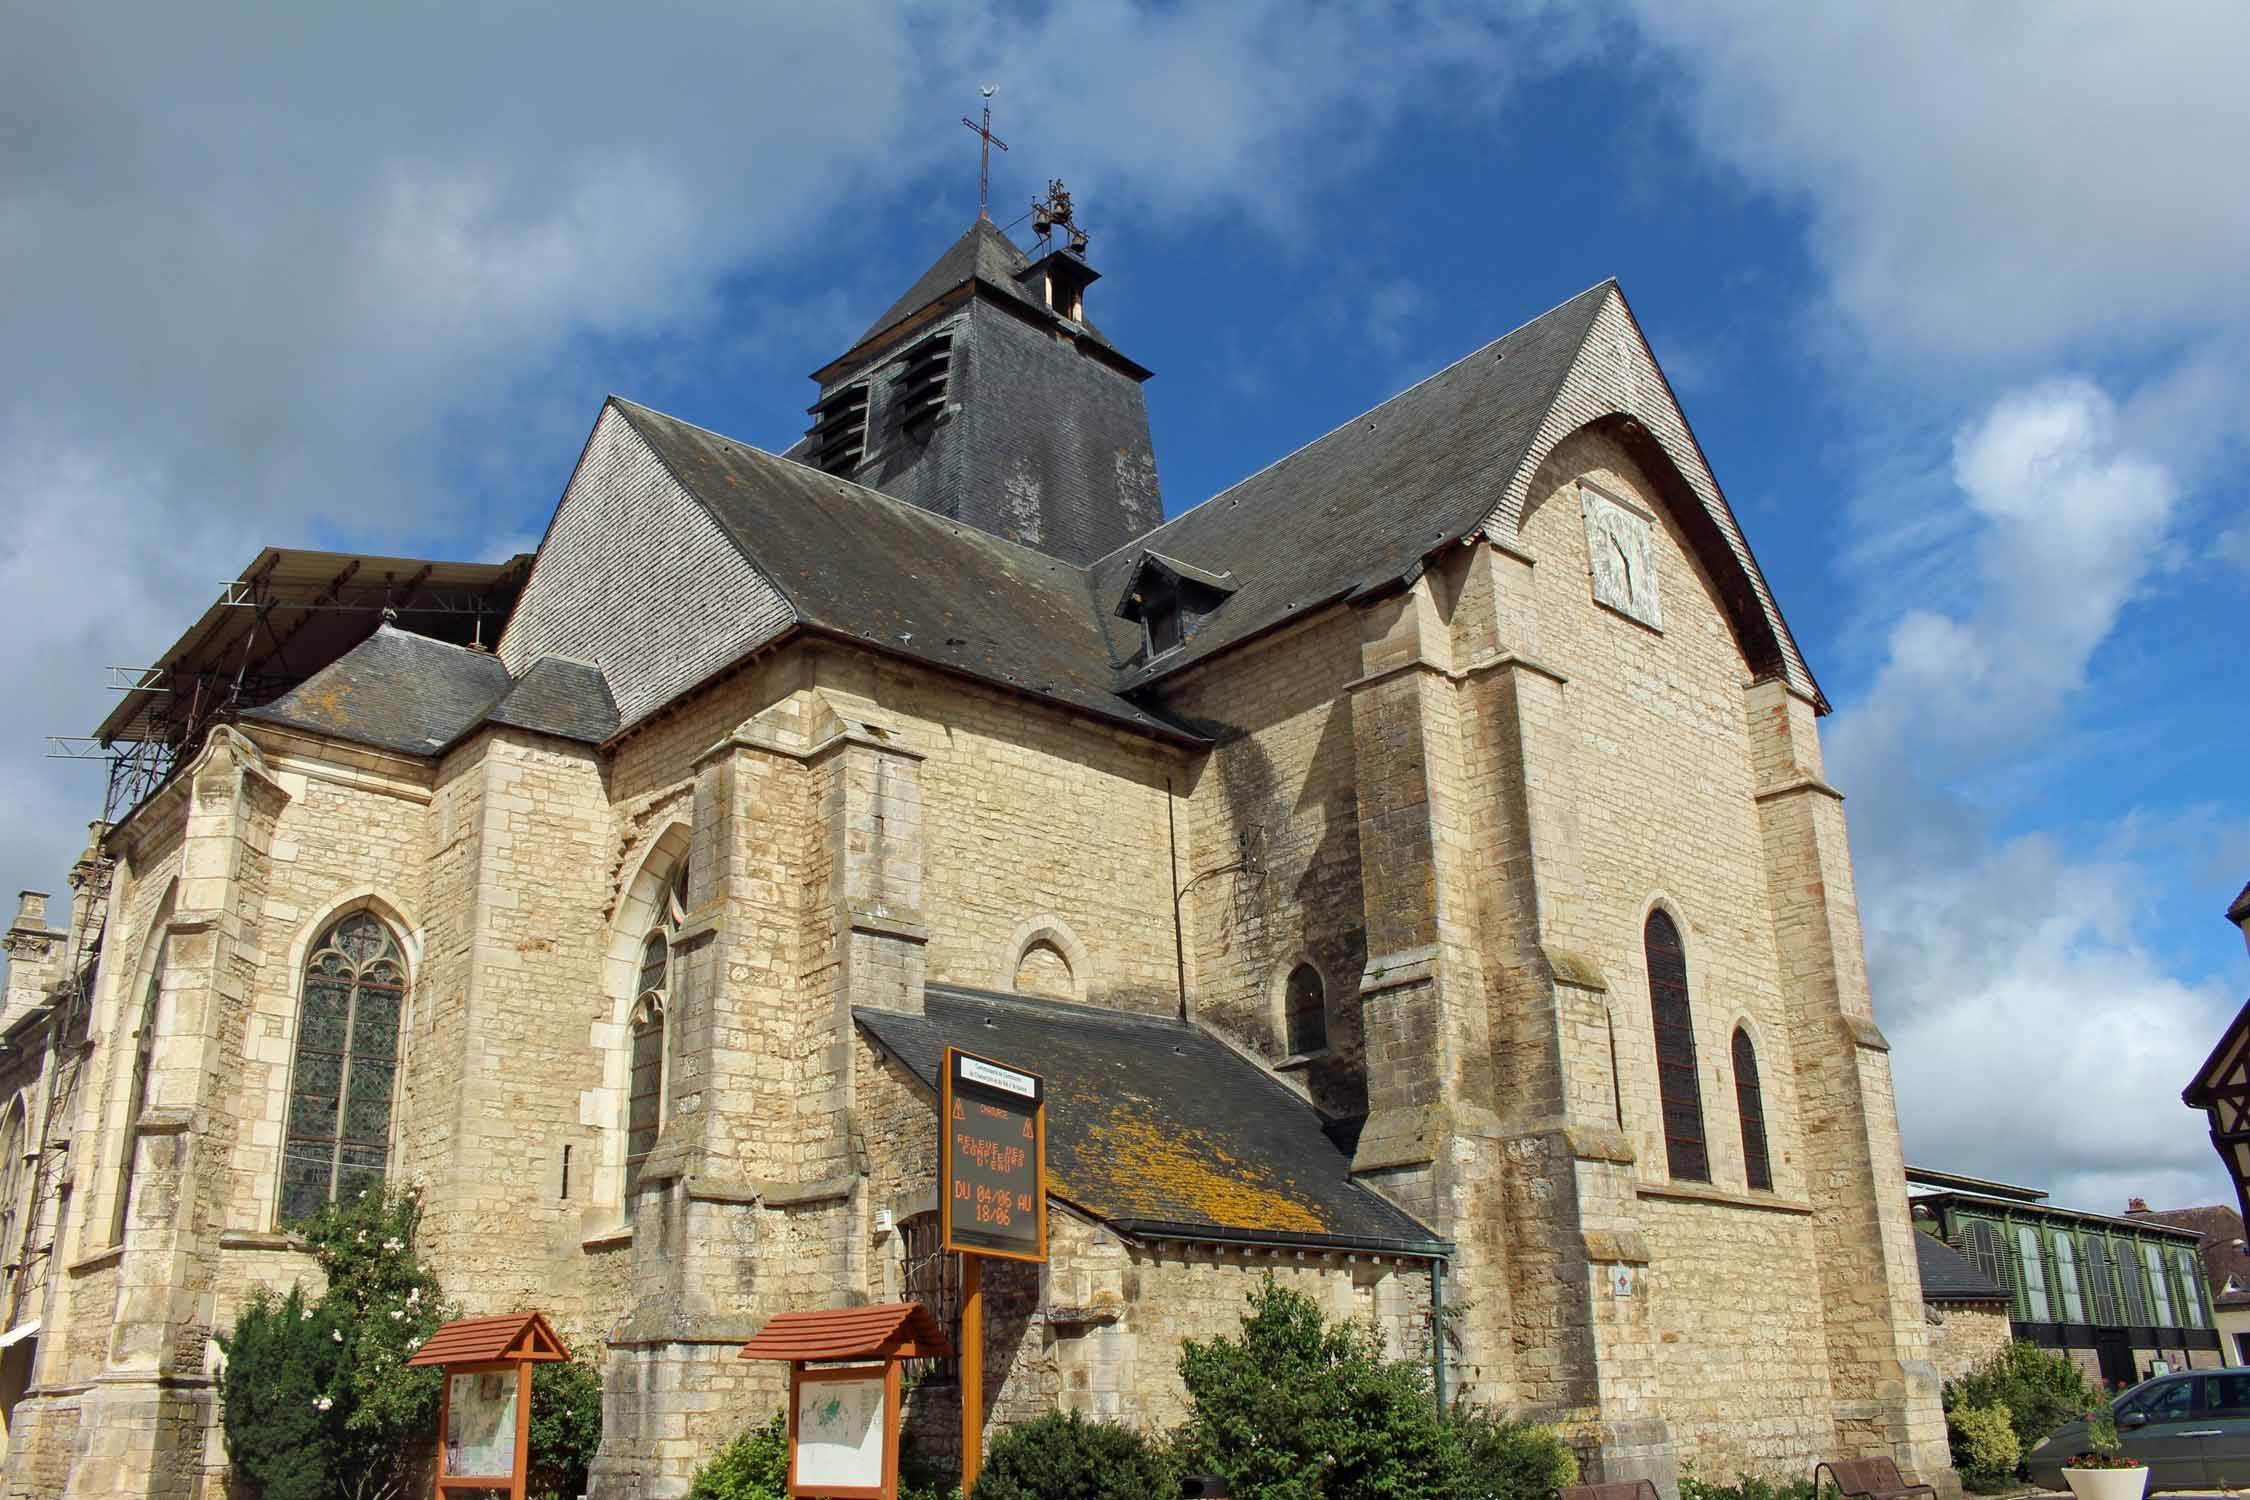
(1677, 1085)
(136, 1093)
(1749, 1102)
(346, 1074)
(644, 1095)
(1308, 1011)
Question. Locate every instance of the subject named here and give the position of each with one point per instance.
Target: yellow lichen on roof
(1190, 1179)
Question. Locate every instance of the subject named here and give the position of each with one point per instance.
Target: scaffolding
(286, 616)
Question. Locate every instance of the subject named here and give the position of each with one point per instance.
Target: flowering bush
(317, 1399)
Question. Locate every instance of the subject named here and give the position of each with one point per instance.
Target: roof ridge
(1075, 1009)
(1144, 538)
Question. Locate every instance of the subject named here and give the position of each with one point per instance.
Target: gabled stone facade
(1457, 793)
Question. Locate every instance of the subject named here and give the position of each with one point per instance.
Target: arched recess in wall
(1046, 958)
(139, 1012)
(1300, 1006)
(1679, 1085)
(635, 1043)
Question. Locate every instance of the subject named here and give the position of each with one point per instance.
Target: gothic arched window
(1676, 1082)
(136, 1092)
(1749, 1102)
(1307, 1003)
(11, 1188)
(644, 1095)
(346, 1072)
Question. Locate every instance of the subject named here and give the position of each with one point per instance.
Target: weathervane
(984, 150)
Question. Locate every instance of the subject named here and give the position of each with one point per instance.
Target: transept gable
(1615, 387)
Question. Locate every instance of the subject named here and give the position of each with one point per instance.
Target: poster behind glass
(840, 1432)
(480, 1425)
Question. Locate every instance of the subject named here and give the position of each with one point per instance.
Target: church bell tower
(986, 395)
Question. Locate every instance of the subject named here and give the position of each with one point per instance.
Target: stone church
(1411, 869)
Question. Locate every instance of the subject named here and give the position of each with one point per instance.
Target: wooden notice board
(992, 1168)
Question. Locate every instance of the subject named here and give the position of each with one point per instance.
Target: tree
(1300, 1408)
(317, 1399)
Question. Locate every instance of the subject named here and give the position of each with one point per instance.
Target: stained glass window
(644, 1110)
(11, 1184)
(1757, 1169)
(136, 1094)
(338, 1135)
(1676, 1082)
(644, 1092)
(1308, 1011)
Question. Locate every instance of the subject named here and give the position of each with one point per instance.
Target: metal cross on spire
(984, 151)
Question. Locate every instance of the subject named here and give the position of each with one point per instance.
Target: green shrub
(754, 1466)
(566, 1428)
(1062, 1456)
(2040, 1388)
(1983, 1440)
(1511, 1460)
(317, 1398)
(1746, 1487)
(1299, 1408)
(277, 1403)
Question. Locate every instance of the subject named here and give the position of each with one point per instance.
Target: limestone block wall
(1665, 814)
(1278, 789)
(1964, 1335)
(1741, 1348)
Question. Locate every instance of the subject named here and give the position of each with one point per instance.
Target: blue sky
(1952, 296)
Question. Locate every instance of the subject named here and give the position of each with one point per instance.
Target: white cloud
(279, 274)
(1993, 952)
(1989, 180)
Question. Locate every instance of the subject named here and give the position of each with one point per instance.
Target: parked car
(2192, 1430)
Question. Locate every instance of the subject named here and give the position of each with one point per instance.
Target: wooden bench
(1621, 1489)
(1867, 1479)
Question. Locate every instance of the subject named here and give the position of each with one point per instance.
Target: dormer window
(1171, 599)
(1161, 622)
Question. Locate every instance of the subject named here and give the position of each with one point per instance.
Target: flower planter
(2107, 1484)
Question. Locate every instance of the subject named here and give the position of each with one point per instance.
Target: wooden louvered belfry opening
(1686, 1154)
(922, 382)
(839, 430)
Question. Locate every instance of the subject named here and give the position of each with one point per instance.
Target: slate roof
(1158, 1127)
(400, 691)
(560, 697)
(863, 565)
(395, 691)
(1950, 1276)
(2239, 907)
(2223, 1252)
(1364, 504)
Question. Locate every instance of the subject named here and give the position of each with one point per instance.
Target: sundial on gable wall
(1621, 549)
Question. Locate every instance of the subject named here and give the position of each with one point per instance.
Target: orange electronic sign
(992, 1170)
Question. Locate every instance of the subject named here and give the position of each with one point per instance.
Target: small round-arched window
(1305, 1002)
